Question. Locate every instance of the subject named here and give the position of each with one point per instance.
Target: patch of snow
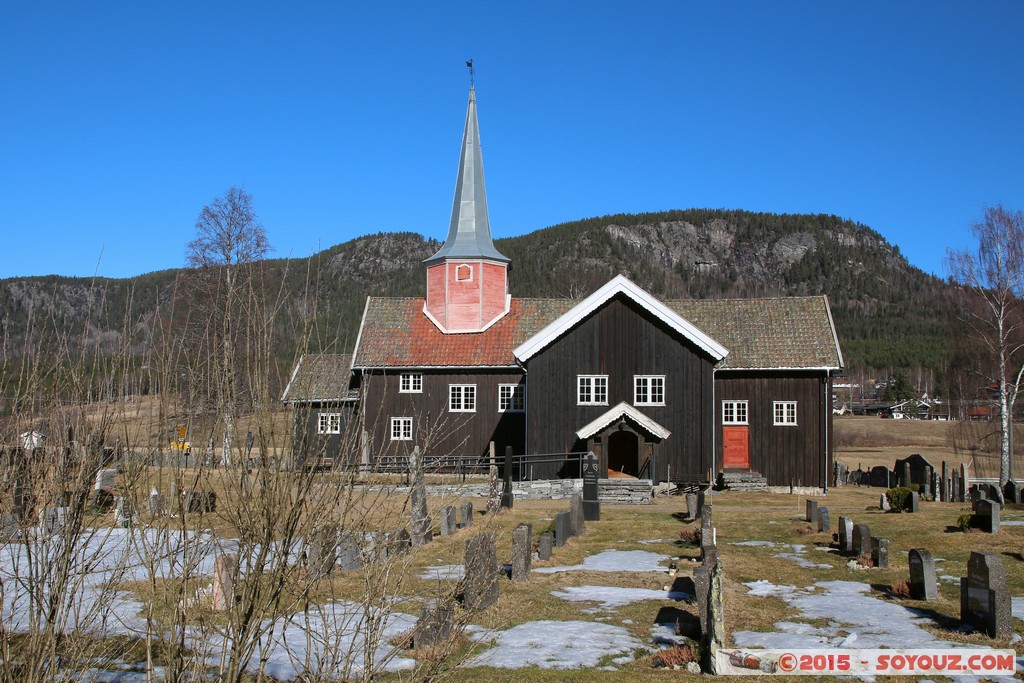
(802, 561)
(1013, 522)
(444, 572)
(1017, 607)
(558, 645)
(651, 541)
(755, 544)
(764, 588)
(611, 597)
(949, 579)
(614, 561)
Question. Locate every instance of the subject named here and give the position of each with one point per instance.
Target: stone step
(744, 481)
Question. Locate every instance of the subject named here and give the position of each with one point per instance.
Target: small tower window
(463, 273)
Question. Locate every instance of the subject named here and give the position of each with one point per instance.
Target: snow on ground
(1018, 607)
(444, 572)
(611, 597)
(614, 561)
(558, 645)
(798, 554)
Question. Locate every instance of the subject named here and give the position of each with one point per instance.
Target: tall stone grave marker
(915, 502)
(812, 511)
(845, 535)
(563, 528)
(965, 482)
(480, 584)
(861, 540)
(434, 627)
(984, 598)
(824, 523)
(922, 575)
(448, 525)
(422, 525)
(103, 489)
(506, 487)
(691, 506)
(225, 568)
(576, 514)
(986, 513)
(545, 545)
(591, 501)
(880, 552)
(466, 515)
(522, 552)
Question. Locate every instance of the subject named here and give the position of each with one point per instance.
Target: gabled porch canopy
(623, 410)
(620, 284)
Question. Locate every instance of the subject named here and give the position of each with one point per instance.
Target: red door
(736, 448)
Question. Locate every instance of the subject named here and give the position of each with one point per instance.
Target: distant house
(324, 396)
(667, 390)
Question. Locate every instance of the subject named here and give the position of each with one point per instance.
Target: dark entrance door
(623, 454)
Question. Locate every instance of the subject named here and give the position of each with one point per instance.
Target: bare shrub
(900, 589)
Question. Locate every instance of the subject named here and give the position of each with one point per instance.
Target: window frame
(592, 384)
(466, 398)
(328, 423)
(734, 421)
(464, 268)
(649, 382)
(404, 429)
(410, 383)
(784, 413)
(517, 395)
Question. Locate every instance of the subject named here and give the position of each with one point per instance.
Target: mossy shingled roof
(321, 377)
(770, 333)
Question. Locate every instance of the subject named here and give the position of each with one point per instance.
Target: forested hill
(889, 314)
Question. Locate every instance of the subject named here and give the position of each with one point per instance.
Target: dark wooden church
(670, 390)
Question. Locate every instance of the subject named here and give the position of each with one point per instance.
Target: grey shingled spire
(469, 235)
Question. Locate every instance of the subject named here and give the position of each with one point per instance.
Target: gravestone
(691, 506)
(124, 512)
(965, 483)
(926, 485)
(823, 521)
(995, 492)
(701, 590)
(103, 489)
(466, 515)
(923, 585)
(225, 568)
(954, 488)
(506, 486)
(984, 597)
(522, 552)
(974, 494)
(947, 493)
(841, 474)
(811, 514)
(157, 503)
(448, 525)
(434, 627)
(883, 503)
(422, 524)
(709, 554)
(915, 502)
(10, 530)
(322, 550)
(480, 583)
(576, 514)
(493, 497)
(880, 552)
(400, 542)
(845, 535)
(986, 513)
(591, 497)
(701, 500)
(905, 477)
(350, 557)
(880, 476)
(52, 520)
(563, 528)
(1011, 492)
(861, 540)
(936, 487)
(545, 545)
(914, 470)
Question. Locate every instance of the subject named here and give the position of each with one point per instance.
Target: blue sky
(119, 120)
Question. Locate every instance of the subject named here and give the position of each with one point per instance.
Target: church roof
(469, 234)
(321, 377)
(775, 333)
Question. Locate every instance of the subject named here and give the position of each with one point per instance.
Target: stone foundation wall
(625, 491)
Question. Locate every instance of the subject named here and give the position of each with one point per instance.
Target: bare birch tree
(991, 280)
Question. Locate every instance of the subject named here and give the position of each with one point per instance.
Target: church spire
(467, 279)
(469, 233)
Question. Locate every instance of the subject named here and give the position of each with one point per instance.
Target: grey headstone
(52, 520)
(947, 492)
(691, 506)
(965, 483)
(563, 528)
(984, 598)
(466, 514)
(591, 497)
(448, 525)
(506, 487)
(706, 513)
(105, 480)
(905, 479)
(926, 485)
(861, 540)
(493, 496)
(400, 541)
(124, 512)
(422, 524)
(880, 552)
(845, 535)
(480, 584)
(522, 552)
(923, 585)
(701, 589)
(10, 530)
(322, 550)
(709, 554)
(987, 514)
(915, 502)
(1011, 492)
(824, 524)
(576, 514)
(701, 501)
(157, 504)
(349, 555)
(883, 503)
(995, 492)
(812, 511)
(955, 495)
(545, 546)
(434, 627)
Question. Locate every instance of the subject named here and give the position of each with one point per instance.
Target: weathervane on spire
(472, 72)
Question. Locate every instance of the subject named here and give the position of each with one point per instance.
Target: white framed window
(328, 423)
(592, 390)
(410, 383)
(734, 412)
(463, 273)
(462, 398)
(401, 429)
(648, 390)
(785, 412)
(511, 398)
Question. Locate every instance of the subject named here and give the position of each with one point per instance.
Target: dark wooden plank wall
(784, 454)
(435, 430)
(622, 340)
(310, 448)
